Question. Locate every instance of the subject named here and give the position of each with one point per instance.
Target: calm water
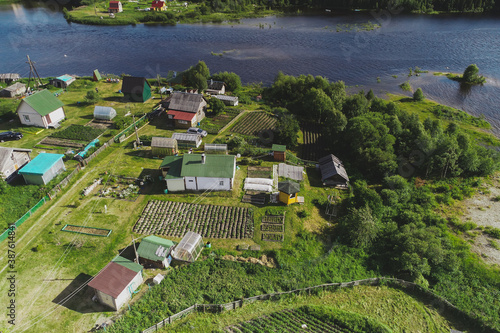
(294, 45)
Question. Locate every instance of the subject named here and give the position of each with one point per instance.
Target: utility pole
(33, 72)
(136, 134)
(135, 250)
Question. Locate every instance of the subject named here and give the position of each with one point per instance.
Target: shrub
(418, 95)
(405, 86)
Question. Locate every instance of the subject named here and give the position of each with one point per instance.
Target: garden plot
(254, 123)
(173, 219)
(273, 228)
(78, 229)
(260, 172)
(120, 188)
(65, 143)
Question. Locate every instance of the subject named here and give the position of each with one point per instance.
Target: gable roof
(15, 86)
(155, 248)
(215, 166)
(186, 137)
(43, 102)
(186, 102)
(281, 148)
(157, 141)
(41, 164)
(97, 74)
(330, 166)
(174, 163)
(65, 78)
(288, 187)
(6, 153)
(114, 4)
(215, 85)
(157, 4)
(181, 115)
(115, 277)
(133, 84)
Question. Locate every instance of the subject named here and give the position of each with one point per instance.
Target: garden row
(287, 321)
(173, 219)
(273, 227)
(314, 147)
(254, 123)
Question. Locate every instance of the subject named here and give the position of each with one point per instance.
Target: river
(257, 49)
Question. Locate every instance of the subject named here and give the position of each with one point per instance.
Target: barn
(62, 81)
(11, 160)
(136, 89)
(13, 90)
(104, 113)
(41, 109)
(115, 284)
(43, 168)
(154, 252)
(163, 146)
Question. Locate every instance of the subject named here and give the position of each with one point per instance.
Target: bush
(418, 95)
(405, 86)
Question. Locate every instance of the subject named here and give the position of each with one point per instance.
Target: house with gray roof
(215, 87)
(333, 172)
(185, 109)
(13, 90)
(42, 109)
(11, 160)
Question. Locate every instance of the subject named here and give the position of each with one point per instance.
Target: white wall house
(11, 160)
(41, 109)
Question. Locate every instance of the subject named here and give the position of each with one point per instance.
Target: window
(221, 183)
(191, 180)
(26, 117)
(293, 195)
(182, 122)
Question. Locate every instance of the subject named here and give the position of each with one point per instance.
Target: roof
(41, 164)
(289, 187)
(154, 248)
(215, 85)
(225, 97)
(43, 102)
(114, 4)
(175, 165)
(115, 277)
(157, 4)
(103, 110)
(127, 263)
(278, 148)
(97, 74)
(15, 86)
(290, 171)
(187, 102)
(6, 153)
(65, 78)
(189, 243)
(186, 137)
(9, 76)
(132, 84)
(181, 115)
(215, 166)
(330, 166)
(216, 146)
(163, 142)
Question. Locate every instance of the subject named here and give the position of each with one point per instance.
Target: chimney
(202, 158)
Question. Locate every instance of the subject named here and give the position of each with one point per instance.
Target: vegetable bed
(86, 230)
(78, 132)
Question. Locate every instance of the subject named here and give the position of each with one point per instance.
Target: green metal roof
(175, 164)
(154, 248)
(218, 166)
(127, 264)
(289, 187)
(278, 148)
(41, 164)
(97, 74)
(43, 102)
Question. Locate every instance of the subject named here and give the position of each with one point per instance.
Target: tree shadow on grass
(314, 177)
(79, 300)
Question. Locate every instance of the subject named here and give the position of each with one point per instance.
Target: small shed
(104, 113)
(279, 152)
(187, 140)
(13, 90)
(215, 87)
(288, 192)
(96, 75)
(228, 100)
(190, 247)
(9, 77)
(115, 7)
(115, 284)
(155, 252)
(136, 89)
(333, 172)
(215, 148)
(62, 81)
(43, 168)
(164, 146)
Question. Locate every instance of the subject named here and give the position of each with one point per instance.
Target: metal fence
(23, 218)
(437, 301)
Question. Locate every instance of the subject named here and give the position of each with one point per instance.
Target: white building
(41, 109)
(11, 160)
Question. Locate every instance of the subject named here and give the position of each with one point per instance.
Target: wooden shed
(155, 252)
(96, 76)
(9, 77)
(288, 192)
(163, 146)
(115, 284)
(333, 172)
(62, 81)
(13, 90)
(136, 89)
(279, 152)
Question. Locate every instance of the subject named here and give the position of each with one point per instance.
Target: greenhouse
(104, 113)
(190, 247)
(214, 148)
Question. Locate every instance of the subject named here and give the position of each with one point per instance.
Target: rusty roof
(113, 279)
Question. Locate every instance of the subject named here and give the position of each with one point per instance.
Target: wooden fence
(437, 301)
(97, 152)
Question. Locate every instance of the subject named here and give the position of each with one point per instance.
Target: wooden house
(62, 81)
(186, 110)
(43, 168)
(11, 160)
(215, 88)
(199, 172)
(9, 77)
(279, 152)
(288, 192)
(158, 5)
(333, 172)
(228, 100)
(187, 140)
(96, 76)
(41, 109)
(13, 90)
(115, 7)
(155, 252)
(164, 146)
(115, 283)
(136, 89)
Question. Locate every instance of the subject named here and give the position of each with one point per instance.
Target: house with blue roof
(43, 168)
(62, 81)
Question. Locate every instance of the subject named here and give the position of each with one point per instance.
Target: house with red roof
(115, 284)
(158, 5)
(186, 110)
(115, 7)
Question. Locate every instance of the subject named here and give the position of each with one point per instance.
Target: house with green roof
(42, 109)
(43, 168)
(154, 252)
(197, 172)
